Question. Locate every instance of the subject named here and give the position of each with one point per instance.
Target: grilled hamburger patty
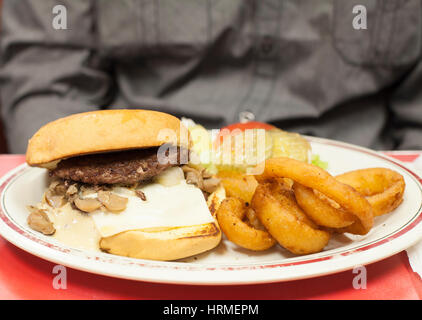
(127, 167)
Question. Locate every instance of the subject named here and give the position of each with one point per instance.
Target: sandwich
(120, 181)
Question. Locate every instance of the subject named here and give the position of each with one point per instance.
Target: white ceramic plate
(228, 264)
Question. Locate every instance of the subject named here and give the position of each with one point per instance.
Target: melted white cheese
(166, 206)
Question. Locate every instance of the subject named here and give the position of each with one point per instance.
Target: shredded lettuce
(316, 160)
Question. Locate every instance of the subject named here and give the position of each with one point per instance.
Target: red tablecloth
(24, 276)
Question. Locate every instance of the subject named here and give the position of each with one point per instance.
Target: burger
(120, 181)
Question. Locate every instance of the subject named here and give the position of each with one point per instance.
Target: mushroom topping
(206, 174)
(54, 200)
(201, 178)
(87, 205)
(57, 187)
(39, 221)
(195, 178)
(211, 184)
(187, 169)
(55, 194)
(73, 189)
(141, 195)
(112, 201)
(86, 191)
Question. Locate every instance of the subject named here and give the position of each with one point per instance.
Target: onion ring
(238, 185)
(316, 178)
(321, 210)
(286, 222)
(253, 220)
(382, 187)
(230, 217)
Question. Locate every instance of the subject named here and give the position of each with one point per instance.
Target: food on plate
(290, 145)
(124, 182)
(317, 161)
(300, 204)
(231, 215)
(201, 146)
(238, 128)
(253, 141)
(382, 187)
(317, 178)
(39, 221)
(201, 178)
(322, 210)
(279, 212)
(242, 147)
(120, 181)
(238, 185)
(126, 167)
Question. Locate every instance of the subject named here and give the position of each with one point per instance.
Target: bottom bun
(168, 243)
(163, 243)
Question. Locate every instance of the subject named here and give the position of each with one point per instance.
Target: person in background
(300, 65)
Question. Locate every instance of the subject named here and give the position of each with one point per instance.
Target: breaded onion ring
(316, 178)
(230, 217)
(278, 211)
(320, 209)
(382, 187)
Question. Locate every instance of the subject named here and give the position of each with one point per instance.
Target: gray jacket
(298, 64)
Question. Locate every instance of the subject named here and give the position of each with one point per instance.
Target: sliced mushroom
(58, 187)
(39, 221)
(201, 178)
(206, 174)
(112, 201)
(85, 191)
(71, 199)
(87, 205)
(141, 195)
(187, 168)
(54, 200)
(211, 184)
(195, 178)
(73, 189)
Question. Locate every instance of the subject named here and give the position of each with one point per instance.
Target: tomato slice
(242, 127)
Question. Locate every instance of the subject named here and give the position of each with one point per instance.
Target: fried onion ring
(230, 217)
(278, 211)
(383, 188)
(320, 209)
(316, 178)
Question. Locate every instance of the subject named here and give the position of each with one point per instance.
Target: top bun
(103, 131)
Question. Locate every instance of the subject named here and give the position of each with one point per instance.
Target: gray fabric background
(298, 64)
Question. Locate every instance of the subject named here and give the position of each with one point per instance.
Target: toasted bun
(103, 131)
(169, 243)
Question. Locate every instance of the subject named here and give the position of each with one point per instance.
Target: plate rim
(95, 262)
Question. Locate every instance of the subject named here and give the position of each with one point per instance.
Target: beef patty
(126, 167)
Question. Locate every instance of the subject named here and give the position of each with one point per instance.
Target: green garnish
(316, 160)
